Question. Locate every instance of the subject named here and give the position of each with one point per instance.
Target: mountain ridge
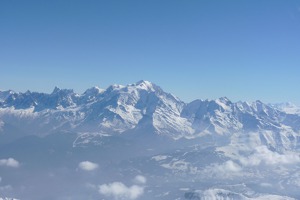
(142, 106)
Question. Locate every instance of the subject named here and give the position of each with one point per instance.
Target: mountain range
(140, 142)
(145, 107)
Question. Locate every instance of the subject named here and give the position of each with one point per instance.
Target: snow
(87, 138)
(287, 107)
(223, 102)
(145, 85)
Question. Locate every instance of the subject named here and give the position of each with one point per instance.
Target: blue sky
(245, 50)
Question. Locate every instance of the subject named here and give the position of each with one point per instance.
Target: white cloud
(118, 190)
(88, 166)
(231, 166)
(140, 179)
(159, 157)
(10, 162)
(264, 155)
(224, 170)
(227, 167)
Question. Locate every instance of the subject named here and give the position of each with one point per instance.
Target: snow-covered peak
(90, 95)
(224, 102)
(261, 108)
(287, 107)
(223, 99)
(144, 85)
(114, 87)
(93, 91)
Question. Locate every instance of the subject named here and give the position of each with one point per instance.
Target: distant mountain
(144, 107)
(287, 107)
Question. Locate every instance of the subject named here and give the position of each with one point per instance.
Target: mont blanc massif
(139, 142)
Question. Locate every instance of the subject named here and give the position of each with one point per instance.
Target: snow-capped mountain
(147, 143)
(115, 110)
(142, 106)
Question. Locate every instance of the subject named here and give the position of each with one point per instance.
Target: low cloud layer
(88, 166)
(10, 162)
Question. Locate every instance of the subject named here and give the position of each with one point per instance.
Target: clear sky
(242, 49)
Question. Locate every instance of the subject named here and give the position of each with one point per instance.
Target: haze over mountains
(147, 142)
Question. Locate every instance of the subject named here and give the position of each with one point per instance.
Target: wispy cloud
(88, 166)
(10, 162)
